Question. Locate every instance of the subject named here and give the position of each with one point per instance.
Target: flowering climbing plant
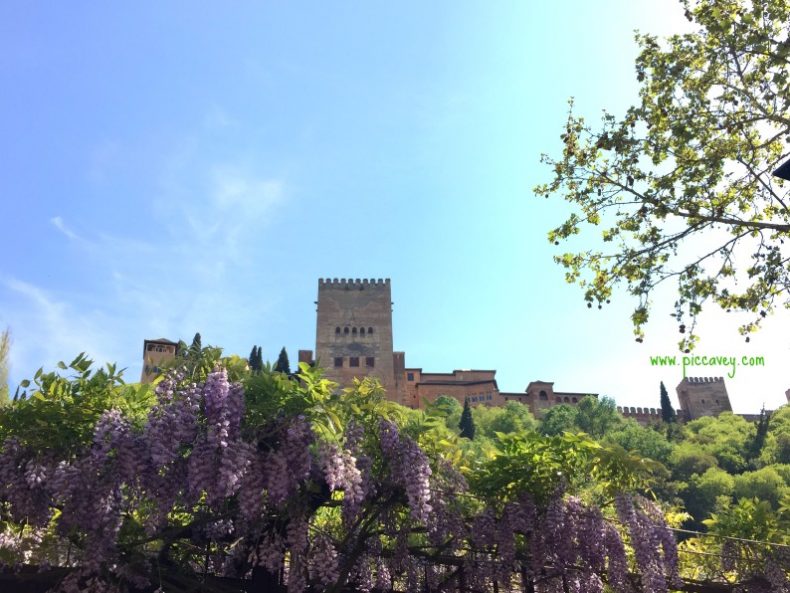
(291, 484)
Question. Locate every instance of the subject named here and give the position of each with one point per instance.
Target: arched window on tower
(544, 396)
(345, 330)
(361, 331)
(370, 330)
(354, 331)
(337, 330)
(567, 400)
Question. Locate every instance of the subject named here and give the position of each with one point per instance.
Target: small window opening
(544, 396)
(345, 331)
(370, 362)
(338, 361)
(410, 376)
(370, 330)
(353, 361)
(337, 330)
(361, 331)
(354, 331)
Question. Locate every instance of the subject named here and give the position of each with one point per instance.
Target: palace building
(354, 338)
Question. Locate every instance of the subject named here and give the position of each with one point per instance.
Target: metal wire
(737, 539)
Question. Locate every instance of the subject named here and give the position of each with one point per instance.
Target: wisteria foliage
(196, 488)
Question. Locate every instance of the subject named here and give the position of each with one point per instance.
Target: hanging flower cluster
(264, 501)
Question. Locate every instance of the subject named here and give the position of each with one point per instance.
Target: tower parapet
(348, 283)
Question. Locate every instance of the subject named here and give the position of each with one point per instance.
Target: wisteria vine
(369, 509)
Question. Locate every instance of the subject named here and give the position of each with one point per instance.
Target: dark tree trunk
(264, 581)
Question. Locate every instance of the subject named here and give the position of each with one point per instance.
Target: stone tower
(354, 332)
(155, 352)
(703, 396)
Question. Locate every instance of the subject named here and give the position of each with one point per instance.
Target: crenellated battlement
(704, 379)
(345, 283)
(644, 415)
(626, 410)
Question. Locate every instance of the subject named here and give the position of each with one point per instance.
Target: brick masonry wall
(478, 393)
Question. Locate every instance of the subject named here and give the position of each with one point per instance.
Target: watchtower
(703, 396)
(354, 331)
(155, 352)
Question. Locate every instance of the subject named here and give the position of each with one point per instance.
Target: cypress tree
(667, 412)
(282, 365)
(259, 359)
(756, 446)
(254, 359)
(467, 423)
(196, 346)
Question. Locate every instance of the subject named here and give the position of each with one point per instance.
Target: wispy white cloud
(101, 161)
(233, 189)
(48, 329)
(188, 270)
(58, 223)
(217, 119)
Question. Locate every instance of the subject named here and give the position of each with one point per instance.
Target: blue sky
(169, 168)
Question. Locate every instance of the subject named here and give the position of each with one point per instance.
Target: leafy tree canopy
(704, 490)
(513, 417)
(641, 440)
(558, 419)
(681, 186)
(752, 522)
(688, 459)
(597, 416)
(777, 442)
(727, 437)
(58, 412)
(443, 406)
(763, 484)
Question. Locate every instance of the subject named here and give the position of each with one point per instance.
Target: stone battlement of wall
(631, 411)
(343, 283)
